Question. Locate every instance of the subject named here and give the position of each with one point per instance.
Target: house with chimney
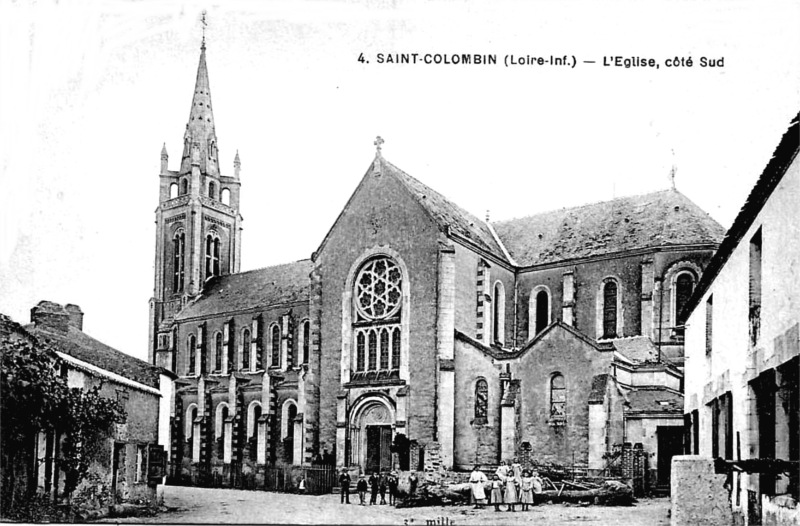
(130, 464)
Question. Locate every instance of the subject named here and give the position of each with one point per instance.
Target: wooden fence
(318, 479)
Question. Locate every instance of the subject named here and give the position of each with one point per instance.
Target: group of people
(377, 484)
(510, 485)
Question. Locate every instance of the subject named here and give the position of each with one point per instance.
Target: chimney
(75, 316)
(51, 315)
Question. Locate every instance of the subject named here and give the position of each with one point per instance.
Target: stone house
(125, 467)
(559, 332)
(742, 350)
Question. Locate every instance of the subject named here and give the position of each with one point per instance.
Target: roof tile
(448, 214)
(80, 345)
(277, 285)
(654, 399)
(652, 220)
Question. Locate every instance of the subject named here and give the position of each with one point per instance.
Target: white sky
(89, 91)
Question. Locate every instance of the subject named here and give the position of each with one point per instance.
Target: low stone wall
(781, 509)
(698, 496)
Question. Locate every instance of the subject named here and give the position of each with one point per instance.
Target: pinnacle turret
(164, 159)
(200, 132)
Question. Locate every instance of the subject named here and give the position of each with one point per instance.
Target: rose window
(378, 289)
(376, 332)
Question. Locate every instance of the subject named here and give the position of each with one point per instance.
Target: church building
(418, 325)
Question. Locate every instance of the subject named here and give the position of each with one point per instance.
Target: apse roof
(654, 400)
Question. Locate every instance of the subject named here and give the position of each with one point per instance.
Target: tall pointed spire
(200, 127)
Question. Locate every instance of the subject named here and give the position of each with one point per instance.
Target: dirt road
(201, 505)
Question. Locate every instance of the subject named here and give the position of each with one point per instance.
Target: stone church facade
(558, 334)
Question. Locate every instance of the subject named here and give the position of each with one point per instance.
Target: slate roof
(773, 173)
(654, 400)
(652, 220)
(448, 214)
(277, 285)
(637, 349)
(80, 345)
(500, 354)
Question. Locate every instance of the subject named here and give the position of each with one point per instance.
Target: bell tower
(198, 225)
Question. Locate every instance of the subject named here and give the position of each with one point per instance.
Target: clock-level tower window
(178, 261)
(212, 256)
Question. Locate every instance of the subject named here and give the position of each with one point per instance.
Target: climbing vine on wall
(36, 399)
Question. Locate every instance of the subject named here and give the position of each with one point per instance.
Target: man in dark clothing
(362, 489)
(374, 484)
(344, 484)
(392, 483)
(382, 487)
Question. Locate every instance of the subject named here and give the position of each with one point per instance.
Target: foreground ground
(201, 505)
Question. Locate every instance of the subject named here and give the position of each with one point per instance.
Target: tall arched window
(246, 349)
(305, 344)
(188, 429)
(173, 190)
(288, 440)
(377, 299)
(212, 190)
(191, 354)
(684, 286)
(226, 196)
(499, 314)
(558, 396)
(216, 257)
(610, 309)
(253, 414)
(542, 310)
(212, 256)
(184, 186)
(252, 428)
(218, 352)
(481, 400)
(178, 263)
(219, 427)
(275, 346)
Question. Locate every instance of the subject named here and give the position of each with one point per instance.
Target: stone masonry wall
(381, 213)
(698, 496)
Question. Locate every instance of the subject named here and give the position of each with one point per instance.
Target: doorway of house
(670, 443)
(117, 467)
(379, 443)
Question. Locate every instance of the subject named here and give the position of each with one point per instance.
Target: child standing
(538, 486)
(511, 493)
(526, 490)
(497, 492)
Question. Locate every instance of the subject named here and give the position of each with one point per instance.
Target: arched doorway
(371, 435)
